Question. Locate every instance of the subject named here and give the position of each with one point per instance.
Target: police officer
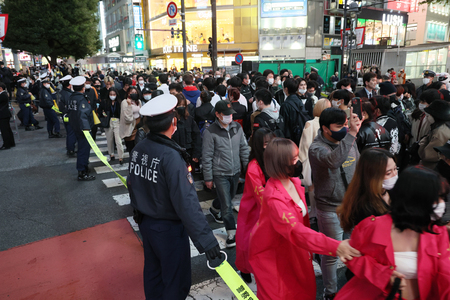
(46, 100)
(24, 99)
(92, 95)
(166, 205)
(428, 77)
(81, 119)
(64, 95)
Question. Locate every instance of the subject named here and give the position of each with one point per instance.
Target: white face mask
(141, 82)
(279, 82)
(439, 211)
(249, 81)
(147, 97)
(112, 98)
(350, 90)
(228, 78)
(377, 87)
(227, 119)
(271, 80)
(426, 80)
(302, 91)
(422, 106)
(47, 86)
(388, 184)
(217, 76)
(88, 86)
(400, 98)
(335, 103)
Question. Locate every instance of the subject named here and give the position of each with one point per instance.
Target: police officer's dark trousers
(71, 138)
(167, 267)
(7, 134)
(52, 120)
(83, 153)
(27, 115)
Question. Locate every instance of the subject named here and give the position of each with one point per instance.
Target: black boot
(51, 135)
(83, 176)
(58, 135)
(38, 127)
(29, 128)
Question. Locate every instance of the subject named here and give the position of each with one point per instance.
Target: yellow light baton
(232, 279)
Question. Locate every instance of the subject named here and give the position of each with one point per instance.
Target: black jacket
(420, 90)
(107, 107)
(80, 113)
(6, 75)
(161, 187)
(5, 113)
(93, 99)
(366, 137)
(246, 92)
(295, 117)
(279, 96)
(188, 136)
(204, 112)
(361, 93)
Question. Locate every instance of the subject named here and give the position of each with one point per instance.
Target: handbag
(104, 121)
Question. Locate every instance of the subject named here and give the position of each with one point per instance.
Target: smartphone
(356, 104)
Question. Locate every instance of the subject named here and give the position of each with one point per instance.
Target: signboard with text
(127, 59)
(114, 44)
(359, 41)
(283, 8)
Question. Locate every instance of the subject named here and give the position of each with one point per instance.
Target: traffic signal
(139, 42)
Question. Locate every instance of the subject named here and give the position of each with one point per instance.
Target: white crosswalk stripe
(95, 159)
(122, 199)
(102, 149)
(106, 169)
(113, 182)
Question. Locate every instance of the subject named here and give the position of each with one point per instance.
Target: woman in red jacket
(281, 243)
(408, 243)
(255, 180)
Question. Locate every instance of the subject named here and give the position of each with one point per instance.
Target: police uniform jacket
(80, 113)
(22, 95)
(46, 98)
(161, 187)
(64, 96)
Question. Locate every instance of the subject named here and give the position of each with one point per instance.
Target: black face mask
(181, 110)
(296, 170)
(97, 86)
(134, 97)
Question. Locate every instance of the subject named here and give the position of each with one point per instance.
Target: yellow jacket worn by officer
(163, 194)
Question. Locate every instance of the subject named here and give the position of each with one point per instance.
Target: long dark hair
(118, 99)
(364, 193)
(413, 197)
(259, 138)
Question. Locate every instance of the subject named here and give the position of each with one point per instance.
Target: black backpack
(303, 117)
(275, 125)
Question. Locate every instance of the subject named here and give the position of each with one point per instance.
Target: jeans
(52, 120)
(329, 224)
(226, 187)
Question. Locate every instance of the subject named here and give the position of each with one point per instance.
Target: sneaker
(217, 216)
(103, 134)
(329, 297)
(83, 176)
(231, 242)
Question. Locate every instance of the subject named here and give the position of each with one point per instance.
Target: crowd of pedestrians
(371, 163)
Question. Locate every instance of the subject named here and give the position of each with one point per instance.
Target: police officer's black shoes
(30, 128)
(51, 135)
(71, 153)
(58, 135)
(38, 127)
(84, 176)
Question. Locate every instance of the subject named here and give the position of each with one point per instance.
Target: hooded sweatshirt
(326, 159)
(191, 93)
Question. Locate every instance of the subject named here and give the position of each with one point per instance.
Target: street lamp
(352, 8)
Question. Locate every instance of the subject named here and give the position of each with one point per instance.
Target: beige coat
(309, 133)
(437, 138)
(127, 121)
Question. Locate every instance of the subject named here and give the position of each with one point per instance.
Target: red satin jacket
(249, 213)
(280, 246)
(372, 237)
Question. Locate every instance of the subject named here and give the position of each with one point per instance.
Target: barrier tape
(232, 279)
(100, 155)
